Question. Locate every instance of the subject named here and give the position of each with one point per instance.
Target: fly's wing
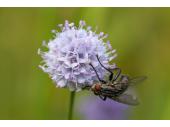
(127, 99)
(137, 80)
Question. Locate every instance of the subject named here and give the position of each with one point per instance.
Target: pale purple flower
(71, 51)
(93, 108)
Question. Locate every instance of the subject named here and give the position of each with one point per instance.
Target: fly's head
(96, 88)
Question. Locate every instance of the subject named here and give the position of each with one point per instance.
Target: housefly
(116, 87)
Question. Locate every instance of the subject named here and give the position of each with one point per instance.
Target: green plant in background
(141, 36)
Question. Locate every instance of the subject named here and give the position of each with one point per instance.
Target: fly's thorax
(109, 84)
(114, 83)
(116, 88)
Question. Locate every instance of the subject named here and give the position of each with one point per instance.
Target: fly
(116, 87)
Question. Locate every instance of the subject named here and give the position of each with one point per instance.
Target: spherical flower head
(70, 54)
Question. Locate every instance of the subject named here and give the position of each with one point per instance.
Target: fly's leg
(111, 78)
(102, 81)
(95, 93)
(103, 97)
(117, 75)
(111, 73)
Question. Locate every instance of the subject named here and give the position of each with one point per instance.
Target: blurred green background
(140, 35)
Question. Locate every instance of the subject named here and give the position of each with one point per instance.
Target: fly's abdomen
(121, 88)
(114, 90)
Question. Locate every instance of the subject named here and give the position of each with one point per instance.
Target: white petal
(95, 63)
(114, 56)
(61, 59)
(113, 51)
(81, 80)
(61, 83)
(83, 70)
(67, 63)
(67, 75)
(83, 60)
(74, 65)
(76, 72)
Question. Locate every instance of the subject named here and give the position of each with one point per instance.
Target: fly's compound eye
(97, 87)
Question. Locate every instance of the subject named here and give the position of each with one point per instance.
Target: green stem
(71, 105)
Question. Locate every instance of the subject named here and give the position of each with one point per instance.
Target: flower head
(93, 108)
(71, 51)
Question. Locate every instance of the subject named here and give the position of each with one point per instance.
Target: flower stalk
(71, 105)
